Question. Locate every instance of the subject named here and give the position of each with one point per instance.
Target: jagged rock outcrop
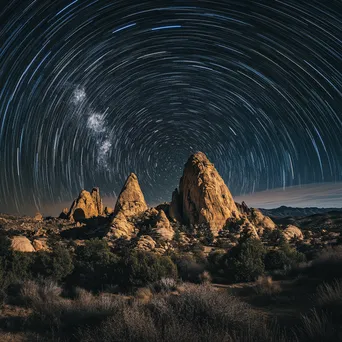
(260, 221)
(291, 232)
(204, 196)
(162, 229)
(95, 194)
(175, 207)
(87, 205)
(131, 200)
(130, 203)
(145, 243)
(121, 227)
(21, 244)
(243, 208)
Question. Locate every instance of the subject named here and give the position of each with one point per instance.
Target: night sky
(93, 90)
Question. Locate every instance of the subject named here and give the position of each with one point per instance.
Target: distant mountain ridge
(285, 211)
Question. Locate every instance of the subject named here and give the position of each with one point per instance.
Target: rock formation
(95, 194)
(40, 244)
(260, 221)
(204, 197)
(21, 244)
(87, 205)
(120, 227)
(162, 229)
(38, 217)
(130, 203)
(293, 232)
(145, 243)
(175, 205)
(131, 200)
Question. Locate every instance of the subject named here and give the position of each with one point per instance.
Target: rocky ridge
(201, 205)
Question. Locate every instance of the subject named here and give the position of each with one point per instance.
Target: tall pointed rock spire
(203, 195)
(131, 200)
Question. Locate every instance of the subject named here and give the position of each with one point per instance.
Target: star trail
(93, 90)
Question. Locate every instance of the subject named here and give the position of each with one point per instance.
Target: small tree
(95, 265)
(245, 262)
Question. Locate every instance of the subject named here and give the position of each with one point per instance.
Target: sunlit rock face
(130, 203)
(203, 196)
(86, 205)
(131, 200)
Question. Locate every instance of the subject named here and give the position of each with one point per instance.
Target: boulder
(131, 200)
(120, 227)
(293, 232)
(162, 229)
(21, 244)
(40, 245)
(260, 221)
(203, 195)
(38, 217)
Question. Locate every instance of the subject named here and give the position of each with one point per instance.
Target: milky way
(93, 90)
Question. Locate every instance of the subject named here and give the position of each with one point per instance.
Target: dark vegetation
(91, 292)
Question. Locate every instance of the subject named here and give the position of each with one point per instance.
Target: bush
(188, 268)
(141, 268)
(199, 313)
(95, 266)
(292, 254)
(164, 285)
(327, 266)
(56, 264)
(245, 262)
(276, 260)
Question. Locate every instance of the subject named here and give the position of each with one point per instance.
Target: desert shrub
(14, 266)
(245, 262)
(291, 253)
(188, 267)
(140, 268)
(95, 266)
(205, 277)
(199, 313)
(276, 260)
(164, 285)
(327, 266)
(215, 261)
(144, 294)
(42, 291)
(265, 286)
(56, 264)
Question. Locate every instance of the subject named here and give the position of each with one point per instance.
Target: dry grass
(317, 326)
(330, 294)
(265, 285)
(144, 294)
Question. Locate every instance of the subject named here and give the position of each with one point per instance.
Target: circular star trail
(93, 90)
